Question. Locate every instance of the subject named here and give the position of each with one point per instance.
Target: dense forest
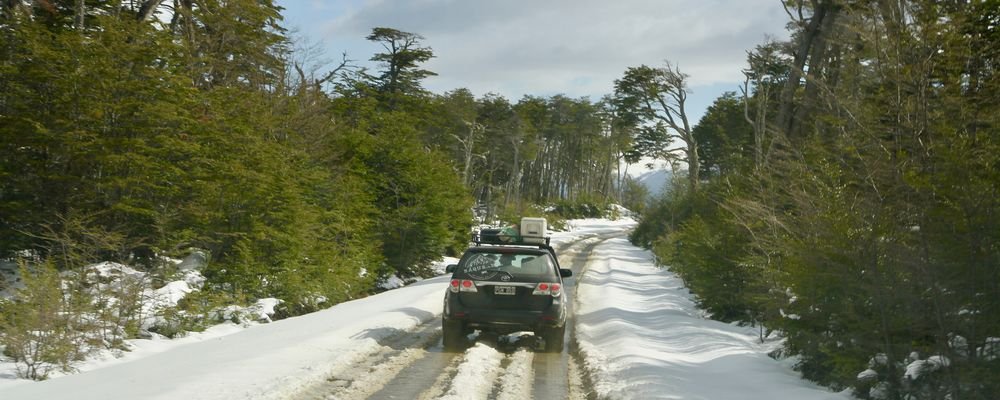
(134, 131)
(130, 134)
(849, 195)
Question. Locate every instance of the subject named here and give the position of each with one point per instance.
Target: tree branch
(147, 9)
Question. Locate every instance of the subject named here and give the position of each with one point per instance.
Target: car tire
(554, 338)
(454, 338)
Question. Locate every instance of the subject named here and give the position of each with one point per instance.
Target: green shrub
(37, 329)
(702, 252)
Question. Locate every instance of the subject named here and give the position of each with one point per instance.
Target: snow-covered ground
(642, 337)
(640, 333)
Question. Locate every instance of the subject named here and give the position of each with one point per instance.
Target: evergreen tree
(724, 137)
(401, 74)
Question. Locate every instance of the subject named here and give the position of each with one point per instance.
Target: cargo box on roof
(533, 230)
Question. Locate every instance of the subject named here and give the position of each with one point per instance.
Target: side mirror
(450, 268)
(565, 273)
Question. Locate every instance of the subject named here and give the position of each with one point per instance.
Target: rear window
(523, 267)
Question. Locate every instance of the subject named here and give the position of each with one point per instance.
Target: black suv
(504, 286)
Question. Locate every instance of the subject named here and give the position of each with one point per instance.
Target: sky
(546, 47)
(640, 335)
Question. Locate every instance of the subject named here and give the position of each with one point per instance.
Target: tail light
(547, 288)
(462, 285)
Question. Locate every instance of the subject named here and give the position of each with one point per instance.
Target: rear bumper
(506, 321)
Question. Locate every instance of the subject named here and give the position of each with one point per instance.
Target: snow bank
(395, 282)
(643, 337)
(592, 227)
(230, 361)
(919, 367)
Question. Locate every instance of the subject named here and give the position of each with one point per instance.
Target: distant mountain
(656, 180)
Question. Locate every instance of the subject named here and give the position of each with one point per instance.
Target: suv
(506, 283)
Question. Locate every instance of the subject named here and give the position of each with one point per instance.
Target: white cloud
(576, 47)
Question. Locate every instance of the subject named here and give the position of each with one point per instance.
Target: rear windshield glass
(523, 267)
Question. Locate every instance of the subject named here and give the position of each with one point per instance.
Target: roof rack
(499, 237)
(531, 232)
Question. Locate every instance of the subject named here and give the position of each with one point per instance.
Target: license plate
(504, 290)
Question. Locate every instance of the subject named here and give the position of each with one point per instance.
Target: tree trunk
(810, 36)
(81, 14)
(147, 9)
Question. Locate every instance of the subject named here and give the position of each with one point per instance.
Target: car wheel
(454, 338)
(554, 339)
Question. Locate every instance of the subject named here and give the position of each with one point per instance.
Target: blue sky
(547, 47)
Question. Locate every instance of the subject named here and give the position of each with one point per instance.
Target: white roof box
(533, 230)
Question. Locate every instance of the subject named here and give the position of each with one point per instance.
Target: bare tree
(656, 97)
(762, 78)
(468, 145)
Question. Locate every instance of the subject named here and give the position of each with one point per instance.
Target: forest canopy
(138, 130)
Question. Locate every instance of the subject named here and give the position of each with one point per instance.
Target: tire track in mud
(582, 382)
(486, 370)
(366, 373)
(515, 382)
(561, 375)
